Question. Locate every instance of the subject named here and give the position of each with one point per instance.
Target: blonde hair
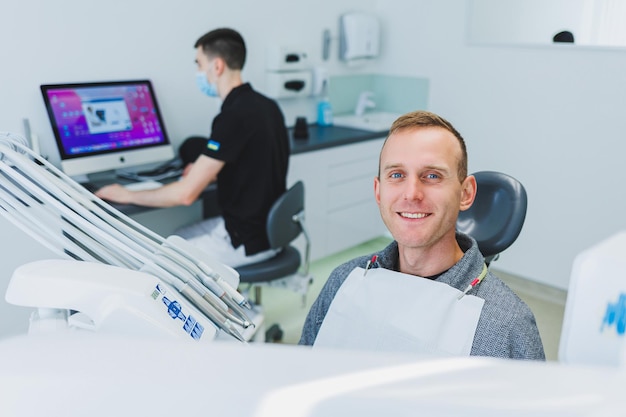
(421, 118)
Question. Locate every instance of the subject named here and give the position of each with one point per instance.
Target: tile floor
(289, 310)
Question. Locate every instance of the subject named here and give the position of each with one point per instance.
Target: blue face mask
(205, 86)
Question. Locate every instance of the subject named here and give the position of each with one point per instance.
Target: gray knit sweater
(506, 328)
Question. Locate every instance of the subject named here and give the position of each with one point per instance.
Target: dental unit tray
(116, 272)
(104, 298)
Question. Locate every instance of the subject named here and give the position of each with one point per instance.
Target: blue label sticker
(213, 145)
(190, 324)
(174, 309)
(157, 291)
(194, 328)
(615, 315)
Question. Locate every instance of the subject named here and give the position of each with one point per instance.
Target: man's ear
(220, 66)
(468, 192)
(377, 190)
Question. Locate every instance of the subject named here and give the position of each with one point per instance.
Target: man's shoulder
(502, 300)
(507, 326)
(246, 96)
(493, 287)
(343, 270)
(250, 106)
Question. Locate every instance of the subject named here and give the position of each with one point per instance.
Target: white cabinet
(340, 207)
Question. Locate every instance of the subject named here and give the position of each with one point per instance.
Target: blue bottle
(324, 113)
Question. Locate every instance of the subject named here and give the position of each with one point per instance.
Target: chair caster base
(274, 334)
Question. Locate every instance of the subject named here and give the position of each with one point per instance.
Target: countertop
(323, 137)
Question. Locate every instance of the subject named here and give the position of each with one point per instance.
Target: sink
(374, 121)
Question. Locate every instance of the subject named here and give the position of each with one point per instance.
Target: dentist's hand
(115, 193)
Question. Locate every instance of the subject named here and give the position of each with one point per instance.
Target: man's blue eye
(396, 175)
(432, 176)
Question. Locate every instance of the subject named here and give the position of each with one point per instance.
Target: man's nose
(414, 189)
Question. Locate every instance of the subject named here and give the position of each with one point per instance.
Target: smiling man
(409, 298)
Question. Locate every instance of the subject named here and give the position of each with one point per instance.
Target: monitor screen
(106, 125)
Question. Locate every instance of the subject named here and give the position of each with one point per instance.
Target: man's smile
(413, 215)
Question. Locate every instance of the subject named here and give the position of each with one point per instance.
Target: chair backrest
(282, 221)
(496, 218)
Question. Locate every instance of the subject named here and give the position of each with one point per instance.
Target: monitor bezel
(112, 159)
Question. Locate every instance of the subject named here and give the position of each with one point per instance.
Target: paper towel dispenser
(359, 36)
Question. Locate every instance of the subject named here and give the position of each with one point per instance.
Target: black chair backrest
(282, 228)
(496, 218)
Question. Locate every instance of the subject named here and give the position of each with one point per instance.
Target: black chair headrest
(496, 218)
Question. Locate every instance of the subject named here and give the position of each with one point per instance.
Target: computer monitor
(105, 126)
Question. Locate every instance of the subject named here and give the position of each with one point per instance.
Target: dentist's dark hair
(225, 43)
(421, 119)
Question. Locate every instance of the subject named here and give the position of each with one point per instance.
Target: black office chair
(496, 218)
(285, 223)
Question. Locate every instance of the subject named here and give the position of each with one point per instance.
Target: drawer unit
(339, 195)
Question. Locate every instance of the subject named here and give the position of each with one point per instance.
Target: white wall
(73, 40)
(551, 116)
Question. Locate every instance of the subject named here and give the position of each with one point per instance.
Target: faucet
(365, 102)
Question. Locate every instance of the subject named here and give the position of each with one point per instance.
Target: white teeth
(413, 215)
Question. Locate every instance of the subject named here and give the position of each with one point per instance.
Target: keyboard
(133, 186)
(143, 185)
(91, 187)
(170, 169)
(162, 172)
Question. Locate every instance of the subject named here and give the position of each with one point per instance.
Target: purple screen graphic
(94, 119)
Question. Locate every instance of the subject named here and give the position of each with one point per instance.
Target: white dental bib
(391, 311)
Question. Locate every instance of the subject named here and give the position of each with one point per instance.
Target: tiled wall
(394, 94)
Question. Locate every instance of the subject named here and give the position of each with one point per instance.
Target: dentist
(247, 153)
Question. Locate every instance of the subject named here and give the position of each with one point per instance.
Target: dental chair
(115, 273)
(285, 223)
(497, 216)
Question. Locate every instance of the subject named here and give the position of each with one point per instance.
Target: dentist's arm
(182, 192)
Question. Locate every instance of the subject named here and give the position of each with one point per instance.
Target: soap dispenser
(324, 108)
(324, 113)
